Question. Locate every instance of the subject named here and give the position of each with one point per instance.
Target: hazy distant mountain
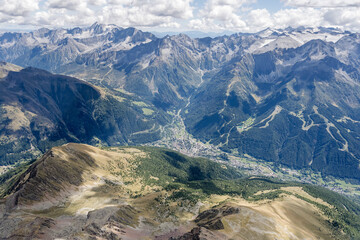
(288, 96)
(194, 34)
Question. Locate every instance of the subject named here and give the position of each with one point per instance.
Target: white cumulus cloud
(296, 17)
(221, 15)
(18, 7)
(347, 18)
(176, 9)
(204, 15)
(259, 19)
(322, 3)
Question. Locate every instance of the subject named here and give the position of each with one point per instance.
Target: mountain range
(285, 96)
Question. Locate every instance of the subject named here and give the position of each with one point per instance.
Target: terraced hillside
(79, 191)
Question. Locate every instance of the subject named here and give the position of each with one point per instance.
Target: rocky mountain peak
(100, 28)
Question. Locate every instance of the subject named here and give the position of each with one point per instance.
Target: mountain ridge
(41, 110)
(76, 190)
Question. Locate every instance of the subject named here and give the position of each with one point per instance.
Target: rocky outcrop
(197, 233)
(211, 219)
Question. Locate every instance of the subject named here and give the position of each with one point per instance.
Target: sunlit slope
(82, 191)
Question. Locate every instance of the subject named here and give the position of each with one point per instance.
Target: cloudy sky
(181, 15)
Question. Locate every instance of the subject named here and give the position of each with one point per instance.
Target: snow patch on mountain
(281, 42)
(344, 77)
(308, 36)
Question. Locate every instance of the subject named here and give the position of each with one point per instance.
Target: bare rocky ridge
(78, 191)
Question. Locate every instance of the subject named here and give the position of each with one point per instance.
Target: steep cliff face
(80, 191)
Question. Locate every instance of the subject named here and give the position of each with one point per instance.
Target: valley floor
(175, 136)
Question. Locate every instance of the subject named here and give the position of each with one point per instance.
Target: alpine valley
(270, 109)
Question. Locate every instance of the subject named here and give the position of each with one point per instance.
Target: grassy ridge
(168, 165)
(194, 179)
(344, 216)
(10, 177)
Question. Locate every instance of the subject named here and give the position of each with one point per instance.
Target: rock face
(285, 96)
(77, 191)
(197, 233)
(211, 219)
